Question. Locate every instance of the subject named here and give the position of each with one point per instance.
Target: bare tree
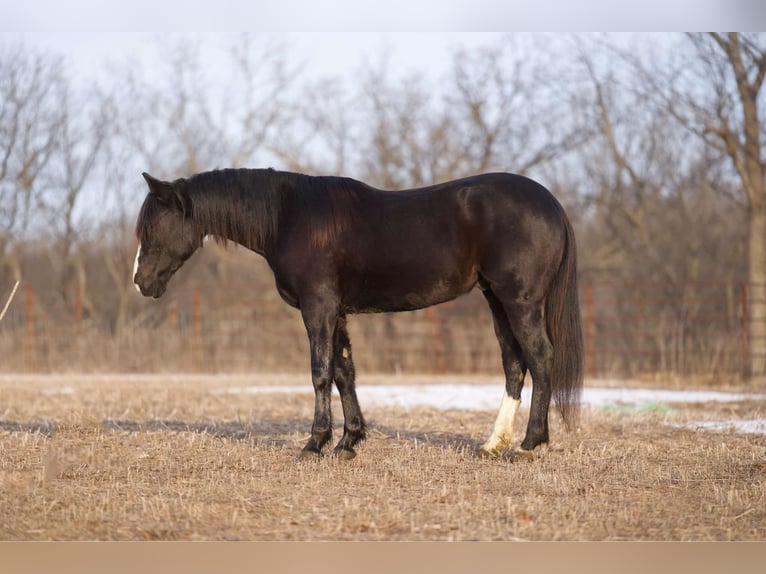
(513, 102)
(259, 105)
(31, 85)
(718, 96)
(406, 140)
(505, 106)
(661, 217)
(190, 119)
(326, 130)
(83, 132)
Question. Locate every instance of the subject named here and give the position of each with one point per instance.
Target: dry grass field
(168, 458)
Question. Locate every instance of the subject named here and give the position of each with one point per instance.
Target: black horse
(337, 246)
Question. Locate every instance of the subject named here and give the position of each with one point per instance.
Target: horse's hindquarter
(523, 236)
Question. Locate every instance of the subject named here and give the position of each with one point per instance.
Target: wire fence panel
(628, 330)
(643, 329)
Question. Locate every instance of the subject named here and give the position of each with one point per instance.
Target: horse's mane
(241, 205)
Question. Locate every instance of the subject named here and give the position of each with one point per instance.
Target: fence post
(78, 303)
(196, 330)
(438, 344)
(29, 327)
(172, 316)
(590, 332)
(745, 335)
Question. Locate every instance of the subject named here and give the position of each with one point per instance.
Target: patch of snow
(488, 397)
(604, 397)
(59, 391)
(751, 426)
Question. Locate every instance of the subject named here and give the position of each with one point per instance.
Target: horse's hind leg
(515, 370)
(528, 325)
(354, 425)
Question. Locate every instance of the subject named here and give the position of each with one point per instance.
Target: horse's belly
(389, 293)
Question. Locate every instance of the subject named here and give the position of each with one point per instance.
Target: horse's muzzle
(154, 291)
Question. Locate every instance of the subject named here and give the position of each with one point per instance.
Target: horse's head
(166, 235)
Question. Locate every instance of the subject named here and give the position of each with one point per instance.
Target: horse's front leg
(320, 319)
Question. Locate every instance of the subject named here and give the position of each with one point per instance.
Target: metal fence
(649, 328)
(628, 330)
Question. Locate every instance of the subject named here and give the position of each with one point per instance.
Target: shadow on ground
(45, 427)
(286, 432)
(442, 439)
(259, 433)
(280, 432)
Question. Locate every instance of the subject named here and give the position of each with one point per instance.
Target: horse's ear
(173, 194)
(162, 189)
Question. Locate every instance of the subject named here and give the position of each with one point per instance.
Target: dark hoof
(534, 440)
(308, 455)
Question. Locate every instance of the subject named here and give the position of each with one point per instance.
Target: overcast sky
(383, 15)
(338, 35)
(320, 53)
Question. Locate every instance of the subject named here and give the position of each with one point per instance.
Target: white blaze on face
(135, 269)
(502, 433)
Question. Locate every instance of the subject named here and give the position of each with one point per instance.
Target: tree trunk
(743, 146)
(757, 291)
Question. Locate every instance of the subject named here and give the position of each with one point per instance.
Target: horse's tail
(562, 317)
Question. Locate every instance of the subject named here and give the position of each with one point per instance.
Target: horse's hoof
(308, 455)
(534, 439)
(344, 454)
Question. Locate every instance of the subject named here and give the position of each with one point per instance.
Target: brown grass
(167, 459)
